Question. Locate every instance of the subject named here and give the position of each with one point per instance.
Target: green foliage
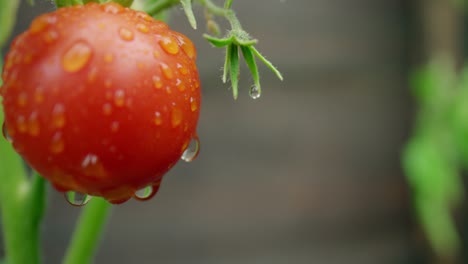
(437, 153)
(8, 10)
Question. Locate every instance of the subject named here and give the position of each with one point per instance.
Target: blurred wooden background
(309, 173)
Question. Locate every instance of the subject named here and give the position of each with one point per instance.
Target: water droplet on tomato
(157, 118)
(115, 126)
(119, 98)
(147, 192)
(156, 54)
(255, 92)
(187, 46)
(57, 145)
(89, 160)
(111, 8)
(157, 82)
(107, 109)
(58, 116)
(142, 28)
(39, 95)
(144, 16)
(21, 124)
(92, 74)
(77, 198)
(108, 57)
(5, 133)
(176, 117)
(22, 99)
(76, 57)
(192, 150)
(33, 124)
(169, 45)
(50, 36)
(182, 69)
(126, 34)
(180, 85)
(193, 104)
(37, 25)
(167, 72)
(144, 193)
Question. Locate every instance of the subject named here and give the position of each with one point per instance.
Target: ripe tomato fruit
(101, 99)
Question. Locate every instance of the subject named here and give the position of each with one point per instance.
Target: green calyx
(237, 40)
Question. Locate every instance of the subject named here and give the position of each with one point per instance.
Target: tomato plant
(101, 99)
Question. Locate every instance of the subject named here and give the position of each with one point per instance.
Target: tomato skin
(101, 99)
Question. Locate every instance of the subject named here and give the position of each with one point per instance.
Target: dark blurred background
(308, 173)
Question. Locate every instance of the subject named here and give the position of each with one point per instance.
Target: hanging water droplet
(255, 92)
(145, 193)
(6, 135)
(192, 150)
(77, 198)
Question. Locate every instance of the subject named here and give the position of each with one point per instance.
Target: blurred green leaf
(8, 9)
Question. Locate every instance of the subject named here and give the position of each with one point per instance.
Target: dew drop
(187, 47)
(144, 16)
(191, 151)
(39, 95)
(115, 126)
(50, 36)
(182, 69)
(6, 134)
(156, 54)
(169, 45)
(107, 109)
(22, 99)
(89, 160)
(167, 72)
(144, 193)
(77, 198)
(176, 117)
(92, 74)
(193, 104)
(147, 192)
(180, 85)
(21, 124)
(58, 116)
(254, 92)
(142, 28)
(126, 34)
(108, 57)
(38, 25)
(157, 118)
(157, 82)
(33, 124)
(119, 98)
(112, 8)
(76, 57)
(57, 144)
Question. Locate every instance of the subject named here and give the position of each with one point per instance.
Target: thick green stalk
(88, 232)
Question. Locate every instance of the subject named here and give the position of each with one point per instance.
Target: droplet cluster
(112, 88)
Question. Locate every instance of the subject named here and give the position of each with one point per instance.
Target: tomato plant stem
(88, 232)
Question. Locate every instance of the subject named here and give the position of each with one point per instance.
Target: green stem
(229, 14)
(88, 232)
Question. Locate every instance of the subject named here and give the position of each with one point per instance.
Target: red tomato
(101, 99)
